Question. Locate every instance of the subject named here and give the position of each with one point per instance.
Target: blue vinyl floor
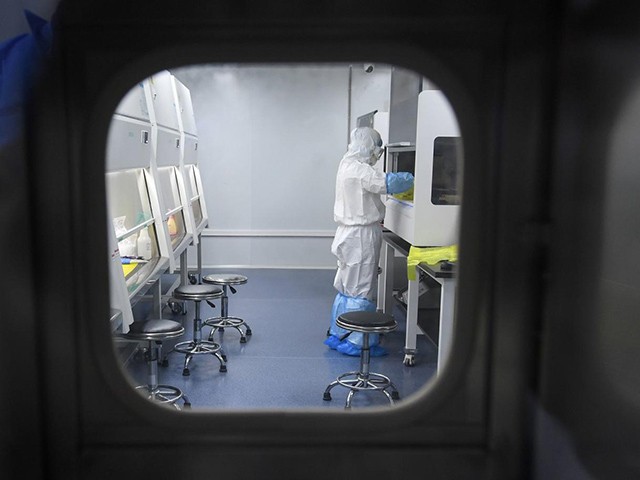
(284, 364)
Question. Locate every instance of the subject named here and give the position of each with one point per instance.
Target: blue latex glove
(399, 182)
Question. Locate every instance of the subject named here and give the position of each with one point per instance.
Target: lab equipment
(132, 204)
(144, 244)
(129, 260)
(189, 165)
(165, 164)
(431, 217)
(127, 246)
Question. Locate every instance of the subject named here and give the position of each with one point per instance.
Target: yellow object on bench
(128, 268)
(430, 255)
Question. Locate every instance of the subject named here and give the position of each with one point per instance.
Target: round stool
(364, 380)
(154, 331)
(226, 280)
(197, 346)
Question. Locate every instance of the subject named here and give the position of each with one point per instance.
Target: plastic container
(144, 244)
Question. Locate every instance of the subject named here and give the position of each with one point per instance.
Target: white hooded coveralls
(358, 210)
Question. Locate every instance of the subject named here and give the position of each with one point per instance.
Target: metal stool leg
(165, 394)
(363, 379)
(226, 321)
(199, 346)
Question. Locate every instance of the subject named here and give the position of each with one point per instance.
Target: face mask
(375, 155)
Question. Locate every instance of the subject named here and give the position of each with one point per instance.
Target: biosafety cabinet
(189, 168)
(134, 214)
(428, 215)
(165, 166)
(189, 160)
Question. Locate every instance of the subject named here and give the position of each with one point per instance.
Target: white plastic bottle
(144, 244)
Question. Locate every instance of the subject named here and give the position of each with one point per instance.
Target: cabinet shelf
(135, 229)
(173, 211)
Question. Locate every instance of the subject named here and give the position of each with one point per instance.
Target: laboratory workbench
(443, 273)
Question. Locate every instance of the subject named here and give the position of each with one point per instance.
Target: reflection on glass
(403, 159)
(128, 198)
(197, 211)
(444, 187)
(177, 230)
(169, 186)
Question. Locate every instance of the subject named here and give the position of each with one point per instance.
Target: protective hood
(365, 145)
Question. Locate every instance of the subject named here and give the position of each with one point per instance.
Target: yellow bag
(407, 196)
(429, 255)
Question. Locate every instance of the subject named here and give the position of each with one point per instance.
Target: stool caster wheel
(223, 368)
(326, 397)
(243, 339)
(395, 395)
(409, 360)
(187, 406)
(221, 329)
(193, 280)
(248, 334)
(176, 308)
(185, 372)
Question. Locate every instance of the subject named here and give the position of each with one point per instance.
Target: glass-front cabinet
(167, 143)
(136, 259)
(189, 160)
(195, 196)
(134, 221)
(173, 210)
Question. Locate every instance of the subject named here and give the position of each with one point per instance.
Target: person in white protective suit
(358, 210)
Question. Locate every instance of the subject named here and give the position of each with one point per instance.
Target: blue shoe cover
(377, 351)
(332, 342)
(348, 348)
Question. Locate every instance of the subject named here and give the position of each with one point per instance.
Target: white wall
(270, 140)
(369, 91)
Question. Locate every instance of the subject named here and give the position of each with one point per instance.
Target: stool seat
(155, 329)
(224, 320)
(367, 322)
(197, 292)
(225, 279)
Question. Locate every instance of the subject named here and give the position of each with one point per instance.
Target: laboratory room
(283, 236)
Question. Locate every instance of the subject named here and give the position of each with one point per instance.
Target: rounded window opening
(283, 236)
